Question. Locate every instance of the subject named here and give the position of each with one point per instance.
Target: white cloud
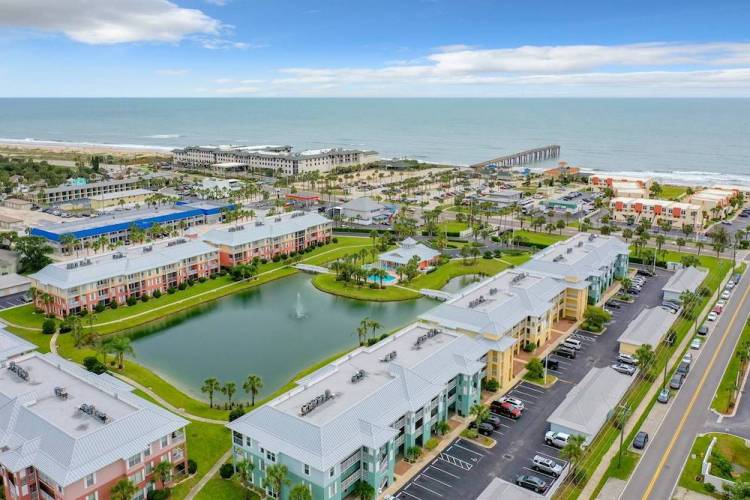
(109, 22)
(172, 72)
(219, 3)
(217, 43)
(236, 90)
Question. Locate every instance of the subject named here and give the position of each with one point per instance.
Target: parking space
(16, 299)
(518, 441)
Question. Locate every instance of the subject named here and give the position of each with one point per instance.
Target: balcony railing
(351, 461)
(351, 479)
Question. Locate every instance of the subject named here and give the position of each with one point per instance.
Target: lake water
(459, 282)
(274, 331)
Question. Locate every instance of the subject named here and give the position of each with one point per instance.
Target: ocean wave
(53, 142)
(164, 136)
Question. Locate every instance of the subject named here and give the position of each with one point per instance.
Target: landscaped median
(727, 393)
(730, 460)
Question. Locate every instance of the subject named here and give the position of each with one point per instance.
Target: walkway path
(207, 477)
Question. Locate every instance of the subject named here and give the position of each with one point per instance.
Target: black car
(485, 428)
(645, 272)
(552, 364)
(612, 304)
(676, 381)
(493, 421)
(532, 483)
(684, 368)
(703, 330)
(640, 440)
(565, 352)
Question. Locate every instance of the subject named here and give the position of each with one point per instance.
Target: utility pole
(624, 410)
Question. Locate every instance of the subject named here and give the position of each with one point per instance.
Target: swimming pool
(386, 279)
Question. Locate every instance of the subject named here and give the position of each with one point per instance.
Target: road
(659, 470)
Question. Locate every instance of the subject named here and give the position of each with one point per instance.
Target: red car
(505, 410)
(718, 309)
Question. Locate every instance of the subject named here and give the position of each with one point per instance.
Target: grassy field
(443, 274)
(327, 283)
(672, 192)
(452, 226)
(516, 260)
(225, 489)
(722, 399)
(540, 238)
(206, 443)
(733, 448)
(626, 467)
(692, 467)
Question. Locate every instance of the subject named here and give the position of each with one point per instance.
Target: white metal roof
(688, 278)
(262, 230)
(363, 204)
(121, 194)
(13, 279)
(11, 346)
(408, 249)
(649, 327)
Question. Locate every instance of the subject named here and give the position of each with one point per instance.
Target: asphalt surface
(15, 299)
(464, 469)
(659, 469)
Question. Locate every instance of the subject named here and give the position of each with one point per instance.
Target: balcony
(346, 483)
(351, 460)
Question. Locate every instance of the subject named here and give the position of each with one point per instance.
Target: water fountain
(299, 309)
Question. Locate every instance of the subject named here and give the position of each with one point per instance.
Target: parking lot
(16, 299)
(464, 469)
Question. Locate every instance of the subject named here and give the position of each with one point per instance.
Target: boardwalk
(522, 158)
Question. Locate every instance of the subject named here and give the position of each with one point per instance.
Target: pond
(275, 331)
(459, 282)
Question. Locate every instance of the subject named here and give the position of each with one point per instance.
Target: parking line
(540, 472)
(443, 471)
(516, 391)
(556, 459)
(550, 447)
(436, 480)
(532, 389)
(406, 492)
(455, 461)
(470, 450)
(426, 488)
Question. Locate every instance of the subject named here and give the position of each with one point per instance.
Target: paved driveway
(15, 299)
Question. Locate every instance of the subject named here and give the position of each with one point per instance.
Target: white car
(556, 439)
(687, 358)
(721, 302)
(696, 344)
(712, 316)
(516, 403)
(730, 285)
(726, 294)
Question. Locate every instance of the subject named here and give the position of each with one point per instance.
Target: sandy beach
(69, 149)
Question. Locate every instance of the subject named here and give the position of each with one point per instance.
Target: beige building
(120, 198)
(654, 211)
(714, 202)
(18, 204)
(629, 189)
(603, 181)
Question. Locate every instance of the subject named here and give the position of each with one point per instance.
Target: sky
(384, 48)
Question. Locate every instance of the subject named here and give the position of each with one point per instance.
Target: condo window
(331, 472)
(134, 460)
(271, 457)
(90, 480)
(307, 470)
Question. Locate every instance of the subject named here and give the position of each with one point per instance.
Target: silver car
(546, 466)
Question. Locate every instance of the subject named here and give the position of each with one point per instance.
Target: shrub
(202, 279)
(414, 453)
(264, 261)
(374, 285)
(83, 313)
(159, 494)
(276, 258)
(157, 294)
(431, 444)
(145, 297)
(709, 487)
(113, 304)
(131, 300)
(171, 290)
(65, 325)
(722, 465)
(99, 308)
(487, 255)
(236, 413)
(371, 342)
(226, 471)
(191, 282)
(469, 433)
(383, 336)
(535, 368)
(92, 364)
(498, 253)
(49, 326)
(293, 253)
(529, 346)
(192, 466)
(491, 385)
(182, 286)
(335, 239)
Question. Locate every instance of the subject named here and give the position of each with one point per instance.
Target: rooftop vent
(258, 223)
(236, 228)
(389, 357)
(315, 402)
(518, 278)
(580, 244)
(85, 262)
(592, 237)
(71, 265)
(432, 332)
(21, 372)
(558, 258)
(277, 219)
(358, 376)
(493, 291)
(118, 255)
(148, 249)
(176, 242)
(569, 250)
(478, 301)
(61, 393)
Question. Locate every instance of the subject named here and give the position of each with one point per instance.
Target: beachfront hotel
(654, 211)
(68, 433)
(266, 238)
(116, 226)
(78, 191)
(274, 158)
(585, 257)
(604, 181)
(352, 419)
(65, 288)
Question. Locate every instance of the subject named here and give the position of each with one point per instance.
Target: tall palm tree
(124, 489)
(480, 411)
(210, 385)
(228, 390)
(163, 471)
(276, 478)
(363, 490)
(103, 347)
(573, 452)
(252, 385)
(300, 491)
(244, 470)
(373, 324)
(120, 346)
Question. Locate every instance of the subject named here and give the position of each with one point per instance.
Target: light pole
(624, 410)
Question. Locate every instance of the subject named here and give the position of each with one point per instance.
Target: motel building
(406, 251)
(66, 433)
(604, 181)
(65, 288)
(353, 419)
(263, 239)
(654, 211)
(713, 202)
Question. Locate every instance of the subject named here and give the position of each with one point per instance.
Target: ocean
(702, 141)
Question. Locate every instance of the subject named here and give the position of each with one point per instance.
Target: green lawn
(327, 283)
(206, 443)
(452, 226)
(539, 238)
(731, 447)
(627, 465)
(225, 489)
(443, 274)
(722, 399)
(516, 260)
(672, 192)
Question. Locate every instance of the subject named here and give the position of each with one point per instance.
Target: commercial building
(119, 198)
(585, 257)
(517, 304)
(649, 327)
(116, 226)
(502, 198)
(602, 181)
(13, 283)
(350, 420)
(67, 433)
(562, 170)
(562, 206)
(263, 239)
(590, 403)
(406, 251)
(78, 191)
(687, 279)
(17, 204)
(69, 287)
(275, 158)
(637, 209)
(366, 211)
(10, 223)
(714, 203)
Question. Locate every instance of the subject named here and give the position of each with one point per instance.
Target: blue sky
(210, 48)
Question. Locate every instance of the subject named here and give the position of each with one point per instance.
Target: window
(134, 460)
(271, 457)
(92, 496)
(164, 441)
(332, 472)
(237, 438)
(138, 477)
(147, 451)
(307, 470)
(89, 480)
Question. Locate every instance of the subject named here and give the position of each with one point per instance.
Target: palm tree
(480, 411)
(103, 347)
(252, 385)
(373, 325)
(699, 246)
(573, 452)
(210, 385)
(67, 242)
(362, 334)
(120, 346)
(363, 490)
(228, 390)
(300, 491)
(276, 478)
(124, 489)
(163, 471)
(680, 242)
(244, 470)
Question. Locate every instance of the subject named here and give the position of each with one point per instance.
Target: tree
(655, 190)
(252, 385)
(244, 470)
(67, 242)
(210, 385)
(163, 471)
(535, 368)
(77, 332)
(660, 240)
(120, 347)
(124, 489)
(49, 326)
(627, 233)
(699, 246)
(300, 491)
(373, 325)
(363, 490)
(680, 242)
(595, 317)
(720, 239)
(737, 490)
(228, 390)
(645, 354)
(626, 283)
(276, 478)
(480, 411)
(560, 224)
(33, 253)
(573, 452)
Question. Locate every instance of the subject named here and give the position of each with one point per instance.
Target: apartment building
(638, 209)
(72, 192)
(120, 198)
(585, 257)
(350, 420)
(262, 239)
(714, 202)
(65, 288)
(602, 181)
(66, 433)
(116, 226)
(517, 304)
(629, 190)
(275, 158)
